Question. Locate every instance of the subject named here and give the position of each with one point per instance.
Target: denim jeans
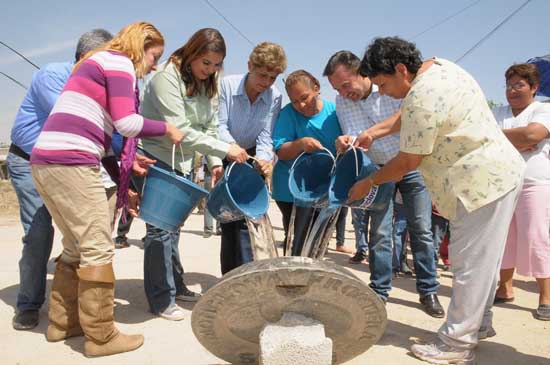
(418, 211)
(399, 235)
(418, 208)
(360, 221)
(162, 269)
(440, 226)
(38, 238)
(341, 227)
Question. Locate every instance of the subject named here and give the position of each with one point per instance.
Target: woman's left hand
(217, 173)
(359, 190)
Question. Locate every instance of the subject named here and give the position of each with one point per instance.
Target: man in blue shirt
(46, 85)
(249, 105)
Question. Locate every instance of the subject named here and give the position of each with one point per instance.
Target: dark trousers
(301, 224)
(235, 237)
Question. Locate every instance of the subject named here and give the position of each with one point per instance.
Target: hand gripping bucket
(353, 166)
(309, 178)
(240, 193)
(168, 199)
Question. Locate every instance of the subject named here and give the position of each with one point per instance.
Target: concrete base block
(295, 340)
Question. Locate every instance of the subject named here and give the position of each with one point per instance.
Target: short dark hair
(526, 71)
(90, 41)
(301, 76)
(383, 54)
(344, 58)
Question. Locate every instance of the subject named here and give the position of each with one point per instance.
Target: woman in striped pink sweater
(99, 97)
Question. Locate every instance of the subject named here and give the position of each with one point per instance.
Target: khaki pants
(78, 204)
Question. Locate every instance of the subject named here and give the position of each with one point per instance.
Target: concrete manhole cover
(230, 316)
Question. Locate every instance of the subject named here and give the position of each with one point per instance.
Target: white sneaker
(173, 313)
(440, 353)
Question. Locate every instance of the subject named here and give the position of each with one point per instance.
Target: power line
(492, 31)
(14, 80)
(444, 20)
(228, 22)
(20, 55)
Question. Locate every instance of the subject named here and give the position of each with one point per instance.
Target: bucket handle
(173, 156)
(303, 153)
(338, 155)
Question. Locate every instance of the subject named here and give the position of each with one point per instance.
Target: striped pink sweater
(97, 98)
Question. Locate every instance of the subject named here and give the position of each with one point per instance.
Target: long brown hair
(133, 40)
(203, 41)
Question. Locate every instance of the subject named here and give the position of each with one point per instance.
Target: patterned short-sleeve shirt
(445, 117)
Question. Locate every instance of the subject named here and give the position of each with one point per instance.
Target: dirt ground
(9, 206)
(520, 339)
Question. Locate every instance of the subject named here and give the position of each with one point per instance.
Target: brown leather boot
(96, 306)
(63, 310)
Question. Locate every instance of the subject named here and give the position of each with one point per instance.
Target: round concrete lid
(228, 319)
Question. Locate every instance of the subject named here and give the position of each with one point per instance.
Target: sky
(310, 31)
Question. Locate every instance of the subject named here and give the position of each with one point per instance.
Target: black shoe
(432, 306)
(187, 295)
(121, 242)
(358, 258)
(25, 319)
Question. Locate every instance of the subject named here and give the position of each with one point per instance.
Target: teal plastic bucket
(351, 167)
(240, 193)
(309, 178)
(168, 199)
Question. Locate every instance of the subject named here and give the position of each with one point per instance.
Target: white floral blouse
(445, 116)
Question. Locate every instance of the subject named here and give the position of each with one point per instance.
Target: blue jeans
(38, 238)
(440, 226)
(399, 235)
(341, 227)
(418, 208)
(162, 269)
(418, 211)
(360, 221)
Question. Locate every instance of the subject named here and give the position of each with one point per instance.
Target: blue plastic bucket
(351, 167)
(168, 199)
(309, 178)
(240, 193)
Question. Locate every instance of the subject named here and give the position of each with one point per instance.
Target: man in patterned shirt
(359, 107)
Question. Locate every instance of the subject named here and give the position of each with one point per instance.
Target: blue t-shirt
(291, 126)
(47, 83)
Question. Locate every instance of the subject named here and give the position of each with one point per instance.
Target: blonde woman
(99, 97)
(184, 92)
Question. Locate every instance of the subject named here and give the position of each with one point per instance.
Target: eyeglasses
(516, 87)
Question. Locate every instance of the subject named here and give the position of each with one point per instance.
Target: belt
(19, 152)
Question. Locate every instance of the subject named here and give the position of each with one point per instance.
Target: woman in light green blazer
(184, 92)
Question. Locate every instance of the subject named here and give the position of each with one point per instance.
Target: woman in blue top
(307, 124)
